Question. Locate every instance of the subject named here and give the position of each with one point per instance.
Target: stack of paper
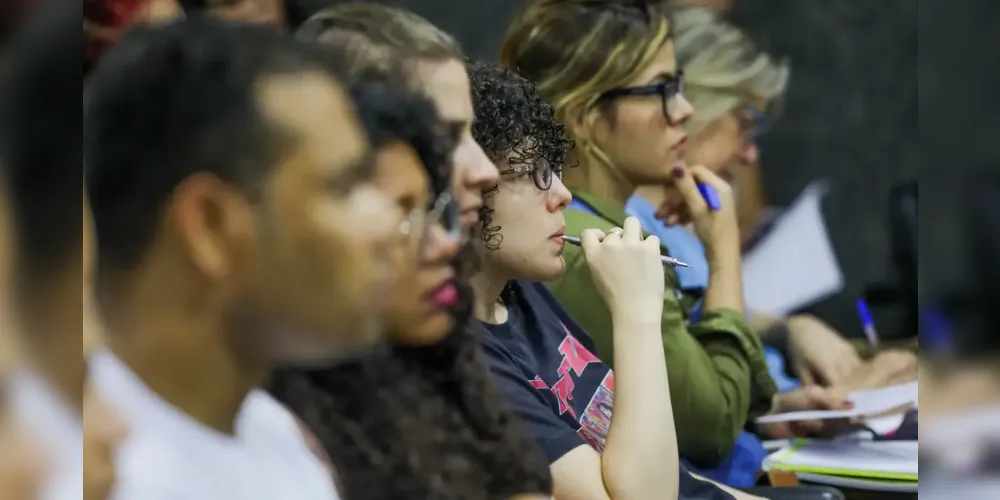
(871, 465)
(866, 404)
(795, 264)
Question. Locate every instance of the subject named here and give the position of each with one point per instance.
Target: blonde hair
(576, 50)
(722, 66)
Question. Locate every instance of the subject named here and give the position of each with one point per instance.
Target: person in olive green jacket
(614, 85)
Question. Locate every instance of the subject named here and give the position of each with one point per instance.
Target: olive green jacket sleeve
(718, 375)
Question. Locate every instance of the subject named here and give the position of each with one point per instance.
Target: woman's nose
(559, 197)
(682, 110)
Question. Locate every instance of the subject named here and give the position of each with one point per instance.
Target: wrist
(632, 313)
(725, 256)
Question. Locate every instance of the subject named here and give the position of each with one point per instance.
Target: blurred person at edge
(24, 465)
(42, 152)
(223, 227)
(732, 86)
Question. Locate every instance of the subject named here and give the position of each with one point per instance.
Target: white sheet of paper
(795, 264)
(866, 403)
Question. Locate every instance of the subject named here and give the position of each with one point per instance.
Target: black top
(543, 364)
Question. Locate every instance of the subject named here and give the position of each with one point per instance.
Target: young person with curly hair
(607, 435)
(421, 420)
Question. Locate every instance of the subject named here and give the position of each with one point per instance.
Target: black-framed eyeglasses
(541, 173)
(669, 91)
(416, 227)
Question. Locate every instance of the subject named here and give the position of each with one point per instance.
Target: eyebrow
(663, 75)
(357, 171)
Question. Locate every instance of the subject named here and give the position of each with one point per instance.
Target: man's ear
(211, 219)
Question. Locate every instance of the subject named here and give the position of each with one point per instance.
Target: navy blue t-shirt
(542, 363)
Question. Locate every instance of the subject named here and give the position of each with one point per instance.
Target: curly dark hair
(514, 126)
(415, 422)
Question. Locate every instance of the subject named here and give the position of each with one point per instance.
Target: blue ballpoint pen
(867, 323)
(667, 261)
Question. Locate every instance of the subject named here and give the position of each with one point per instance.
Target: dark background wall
(851, 117)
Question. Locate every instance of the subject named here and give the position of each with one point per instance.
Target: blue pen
(867, 323)
(711, 196)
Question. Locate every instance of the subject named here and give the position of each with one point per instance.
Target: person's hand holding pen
(705, 200)
(818, 354)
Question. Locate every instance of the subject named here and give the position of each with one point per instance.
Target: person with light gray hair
(736, 90)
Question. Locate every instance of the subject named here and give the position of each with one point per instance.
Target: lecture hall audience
(329, 264)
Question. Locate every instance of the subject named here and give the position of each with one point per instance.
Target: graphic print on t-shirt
(595, 419)
(575, 359)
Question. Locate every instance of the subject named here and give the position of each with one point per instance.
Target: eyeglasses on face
(541, 172)
(416, 227)
(669, 90)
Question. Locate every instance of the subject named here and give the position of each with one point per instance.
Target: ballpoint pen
(667, 261)
(867, 323)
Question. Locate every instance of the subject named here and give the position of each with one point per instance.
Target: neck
(655, 195)
(487, 288)
(187, 354)
(59, 360)
(53, 325)
(599, 179)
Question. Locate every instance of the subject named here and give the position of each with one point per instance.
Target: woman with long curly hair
(421, 420)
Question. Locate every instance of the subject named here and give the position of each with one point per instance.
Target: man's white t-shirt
(170, 456)
(59, 428)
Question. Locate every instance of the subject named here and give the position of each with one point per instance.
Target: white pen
(667, 261)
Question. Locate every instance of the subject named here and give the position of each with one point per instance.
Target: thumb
(805, 374)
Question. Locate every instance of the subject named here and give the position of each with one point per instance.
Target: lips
(560, 233)
(445, 296)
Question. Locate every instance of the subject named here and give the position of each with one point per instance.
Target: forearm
(640, 458)
(725, 283)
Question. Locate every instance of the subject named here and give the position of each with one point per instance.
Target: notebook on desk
(879, 460)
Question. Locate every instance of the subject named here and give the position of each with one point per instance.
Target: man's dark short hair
(173, 100)
(42, 148)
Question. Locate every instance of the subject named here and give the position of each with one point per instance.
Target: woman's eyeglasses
(416, 228)
(541, 173)
(669, 91)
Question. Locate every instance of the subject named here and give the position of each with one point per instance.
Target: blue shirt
(689, 249)
(683, 246)
(543, 364)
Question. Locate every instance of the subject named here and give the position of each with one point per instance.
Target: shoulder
(148, 465)
(266, 420)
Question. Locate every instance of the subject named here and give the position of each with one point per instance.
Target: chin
(423, 333)
(552, 272)
(311, 349)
